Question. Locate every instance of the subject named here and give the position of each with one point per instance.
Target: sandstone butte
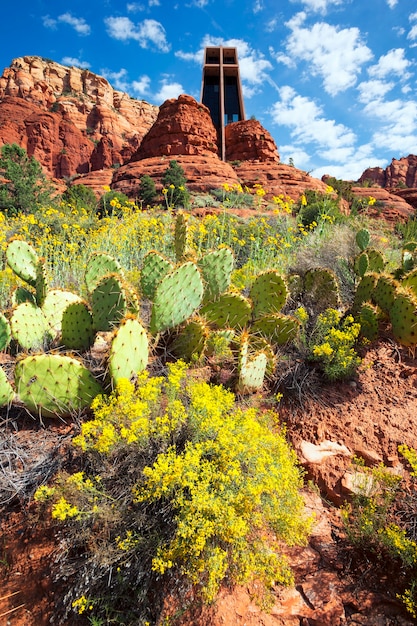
(80, 128)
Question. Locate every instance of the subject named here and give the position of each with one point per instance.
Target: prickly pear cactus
(6, 390)
(368, 319)
(108, 302)
(51, 385)
(268, 293)
(190, 341)
(410, 280)
(364, 291)
(251, 368)
(21, 294)
(77, 331)
(376, 260)
(385, 292)
(129, 351)
(230, 310)
(177, 296)
(181, 236)
(30, 327)
(54, 305)
(98, 266)
(277, 328)
(361, 264)
(409, 256)
(154, 268)
(23, 260)
(41, 286)
(321, 290)
(403, 316)
(5, 332)
(363, 238)
(216, 268)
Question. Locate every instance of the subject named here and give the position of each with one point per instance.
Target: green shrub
(147, 190)
(184, 481)
(81, 197)
(26, 186)
(175, 186)
(111, 203)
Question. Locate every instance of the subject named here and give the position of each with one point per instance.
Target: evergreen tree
(174, 182)
(147, 190)
(25, 186)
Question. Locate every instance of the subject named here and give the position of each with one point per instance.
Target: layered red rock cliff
(71, 120)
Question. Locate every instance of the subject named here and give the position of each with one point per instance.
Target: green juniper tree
(147, 190)
(174, 181)
(24, 186)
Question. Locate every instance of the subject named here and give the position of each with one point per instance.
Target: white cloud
(135, 7)
(373, 90)
(257, 6)
(168, 90)
(200, 3)
(78, 23)
(271, 25)
(141, 86)
(319, 6)
(146, 32)
(74, 62)
(307, 124)
(119, 80)
(335, 54)
(392, 3)
(413, 32)
(391, 63)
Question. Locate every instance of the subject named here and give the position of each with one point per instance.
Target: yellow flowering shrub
(332, 344)
(209, 490)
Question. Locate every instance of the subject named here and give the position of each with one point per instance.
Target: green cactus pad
(251, 368)
(21, 294)
(385, 292)
(295, 285)
(361, 264)
(376, 260)
(51, 385)
(231, 310)
(177, 296)
(363, 238)
(364, 290)
(6, 390)
(41, 282)
(181, 236)
(154, 268)
(410, 280)
(23, 260)
(268, 293)
(403, 315)
(54, 305)
(30, 327)
(98, 266)
(278, 328)
(190, 341)
(5, 332)
(321, 289)
(259, 344)
(216, 268)
(108, 302)
(368, 319)
(77, 332)
(129, 351)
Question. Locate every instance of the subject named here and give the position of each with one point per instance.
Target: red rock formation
(248, 140)
(401, 172)
(390, 206)
(183, 127)
(277, 178)
(70, 119)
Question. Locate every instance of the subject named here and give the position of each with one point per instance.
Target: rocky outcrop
(400, 173)
(71, 120)
(391, 206)
(183, 127)
(248, 140)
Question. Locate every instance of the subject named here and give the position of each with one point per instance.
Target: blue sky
(333, 81)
